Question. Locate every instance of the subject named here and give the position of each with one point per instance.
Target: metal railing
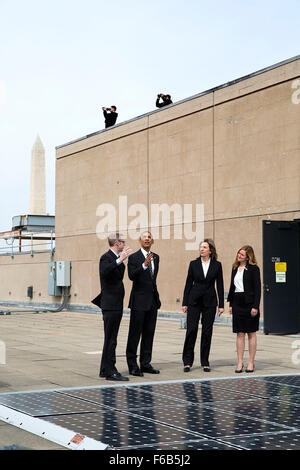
(27, 243)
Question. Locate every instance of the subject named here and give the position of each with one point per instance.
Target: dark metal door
(281, 276)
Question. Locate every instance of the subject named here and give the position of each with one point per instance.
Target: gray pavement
(58, 350)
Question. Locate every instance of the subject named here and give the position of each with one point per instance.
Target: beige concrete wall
(236, 150)
(22, 271)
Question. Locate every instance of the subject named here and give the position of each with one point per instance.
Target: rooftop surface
(58, 351)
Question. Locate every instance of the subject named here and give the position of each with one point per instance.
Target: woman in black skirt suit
(244, 298)
(200, 297)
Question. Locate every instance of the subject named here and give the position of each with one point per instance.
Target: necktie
(151, 269)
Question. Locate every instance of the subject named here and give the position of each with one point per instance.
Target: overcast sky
(62, 60)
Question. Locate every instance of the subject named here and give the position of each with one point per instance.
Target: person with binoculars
(166, 100)
(111, 117)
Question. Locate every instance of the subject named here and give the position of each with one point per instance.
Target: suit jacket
(197, 286)
(252, 285)
(110, 118)
(164, 103)
(144, 290)
(111, 274)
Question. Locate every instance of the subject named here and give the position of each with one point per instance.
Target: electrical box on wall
(63, 273)
(53, 289)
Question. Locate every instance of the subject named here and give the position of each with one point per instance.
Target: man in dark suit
(111, 117)
(110, 300)
(166, 100)
(144, 303)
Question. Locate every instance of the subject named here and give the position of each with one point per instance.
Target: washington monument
(37, 204)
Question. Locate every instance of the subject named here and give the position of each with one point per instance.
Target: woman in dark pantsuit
(244, 298)
(200, 298)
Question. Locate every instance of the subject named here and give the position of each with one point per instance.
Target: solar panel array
(253, 413)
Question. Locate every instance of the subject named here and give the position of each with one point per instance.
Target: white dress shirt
(146, 253)
(205, 266)
(238, 281)
(118, 261)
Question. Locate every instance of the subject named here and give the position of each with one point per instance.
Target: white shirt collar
(116, 254)
(205, 266)
(145, 253)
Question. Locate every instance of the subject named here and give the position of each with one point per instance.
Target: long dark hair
(212, 247)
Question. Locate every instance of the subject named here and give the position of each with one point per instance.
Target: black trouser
(207, 320)
(141, 327)
(112, 320)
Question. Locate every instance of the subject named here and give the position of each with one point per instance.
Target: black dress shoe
(137, 372)
(186, 369)
(117, 376)
(104, 375)
(150, 370)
